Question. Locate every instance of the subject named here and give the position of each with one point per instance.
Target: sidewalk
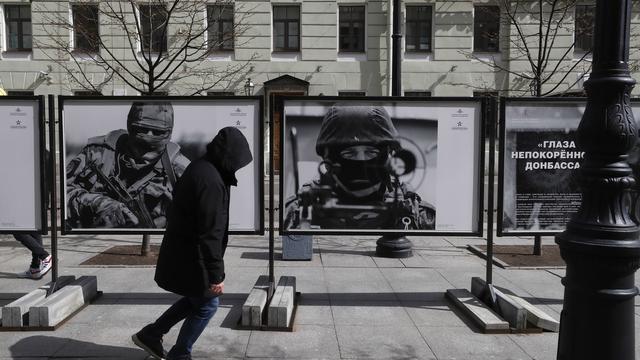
(353, 305)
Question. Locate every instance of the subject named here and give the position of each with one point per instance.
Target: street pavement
(353, 305)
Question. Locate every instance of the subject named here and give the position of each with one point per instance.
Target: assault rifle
(118, 191)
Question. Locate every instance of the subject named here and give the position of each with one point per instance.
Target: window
(153, 21)
(220, 93)
(418, 93)
(351, 31)
(584, 27)
(86, 93)
(85, 28)
(286, 28)
(486, 29)
(18, 19)
(220, 18)
(351, 93)
(418, 23)
(20, 92)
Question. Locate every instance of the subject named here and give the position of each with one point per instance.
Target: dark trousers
(33, 242)
(196, 312)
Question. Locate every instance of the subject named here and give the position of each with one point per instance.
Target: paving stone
(449, 343)
(434, 314)
(358, 283)
(313, 312)
(416, 283)
(369, 313)
(347, 260)
(19, 346)
(383, 342)
(307, 342)
(483, 316)
(539, 346)
(387, 262)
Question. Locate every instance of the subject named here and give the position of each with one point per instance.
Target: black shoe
(149, 343)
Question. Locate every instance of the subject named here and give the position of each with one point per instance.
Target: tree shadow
(50, 346)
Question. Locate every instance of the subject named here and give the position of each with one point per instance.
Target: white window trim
(154, 55)
(352, 56)
(7, 54)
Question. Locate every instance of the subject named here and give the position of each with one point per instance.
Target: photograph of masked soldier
(124, 179)
(358, 187)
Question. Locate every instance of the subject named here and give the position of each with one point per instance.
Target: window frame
(143, 35)
(584, 34)
(75, 44)
(417, 23)
(287, 22)
(20, 22)
(417, 93)
(215, 31)
(363, 36)
(483, 47)
(352, 93)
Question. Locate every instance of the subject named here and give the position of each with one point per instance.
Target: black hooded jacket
(192, 250)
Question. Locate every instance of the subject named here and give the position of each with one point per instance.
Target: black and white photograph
(123, 157)
(22, 158)
(379, 166)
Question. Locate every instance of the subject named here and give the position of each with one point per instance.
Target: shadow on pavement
(55, 347)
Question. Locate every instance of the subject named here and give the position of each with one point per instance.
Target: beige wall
(449, 70)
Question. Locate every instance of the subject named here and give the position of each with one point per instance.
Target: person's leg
(33, 242)
(173, 315)
(203, 310)
(150, 337)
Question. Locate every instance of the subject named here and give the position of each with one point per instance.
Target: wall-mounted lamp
(248, 87)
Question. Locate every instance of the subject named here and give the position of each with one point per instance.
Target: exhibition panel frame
(538, 191)
(94, 158)
(445, 135)
(23, 189)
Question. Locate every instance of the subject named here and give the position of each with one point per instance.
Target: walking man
(191, 262)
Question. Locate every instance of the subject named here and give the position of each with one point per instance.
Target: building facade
(313, 47)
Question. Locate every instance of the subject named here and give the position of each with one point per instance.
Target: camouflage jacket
(402, 211)
(152, 184)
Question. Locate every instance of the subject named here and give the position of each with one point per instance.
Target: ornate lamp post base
(394, 246)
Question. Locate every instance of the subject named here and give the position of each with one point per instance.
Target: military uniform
(152, 183)
(407, 211)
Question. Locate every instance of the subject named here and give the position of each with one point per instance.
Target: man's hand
(112, 213)
(216, 289)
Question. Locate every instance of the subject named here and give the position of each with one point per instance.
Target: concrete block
(477, 310)
(63, 302)
(285, 309)
(13, 313)
(536, 316)
(510, 310)
(274, 305)
(253, 307)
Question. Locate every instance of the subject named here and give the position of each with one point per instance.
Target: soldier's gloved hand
(158, 190)
(112, 213)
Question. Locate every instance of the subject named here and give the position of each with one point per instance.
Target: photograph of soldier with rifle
(359, 175)
(124, 179)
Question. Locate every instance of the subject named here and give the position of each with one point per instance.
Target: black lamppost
(395, 246)
(601, 245)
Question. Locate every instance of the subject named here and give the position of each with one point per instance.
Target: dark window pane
(418, 29)
(18, 20)
(584, 27)
(418, 93)
(286, 28)
(351, 31)
(86, 27)
(220, 27)
(486, 28)
(153, 22)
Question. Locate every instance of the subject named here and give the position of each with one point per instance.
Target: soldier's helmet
(345, 126)
(150, 124)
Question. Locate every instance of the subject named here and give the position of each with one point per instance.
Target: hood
(229, 152)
